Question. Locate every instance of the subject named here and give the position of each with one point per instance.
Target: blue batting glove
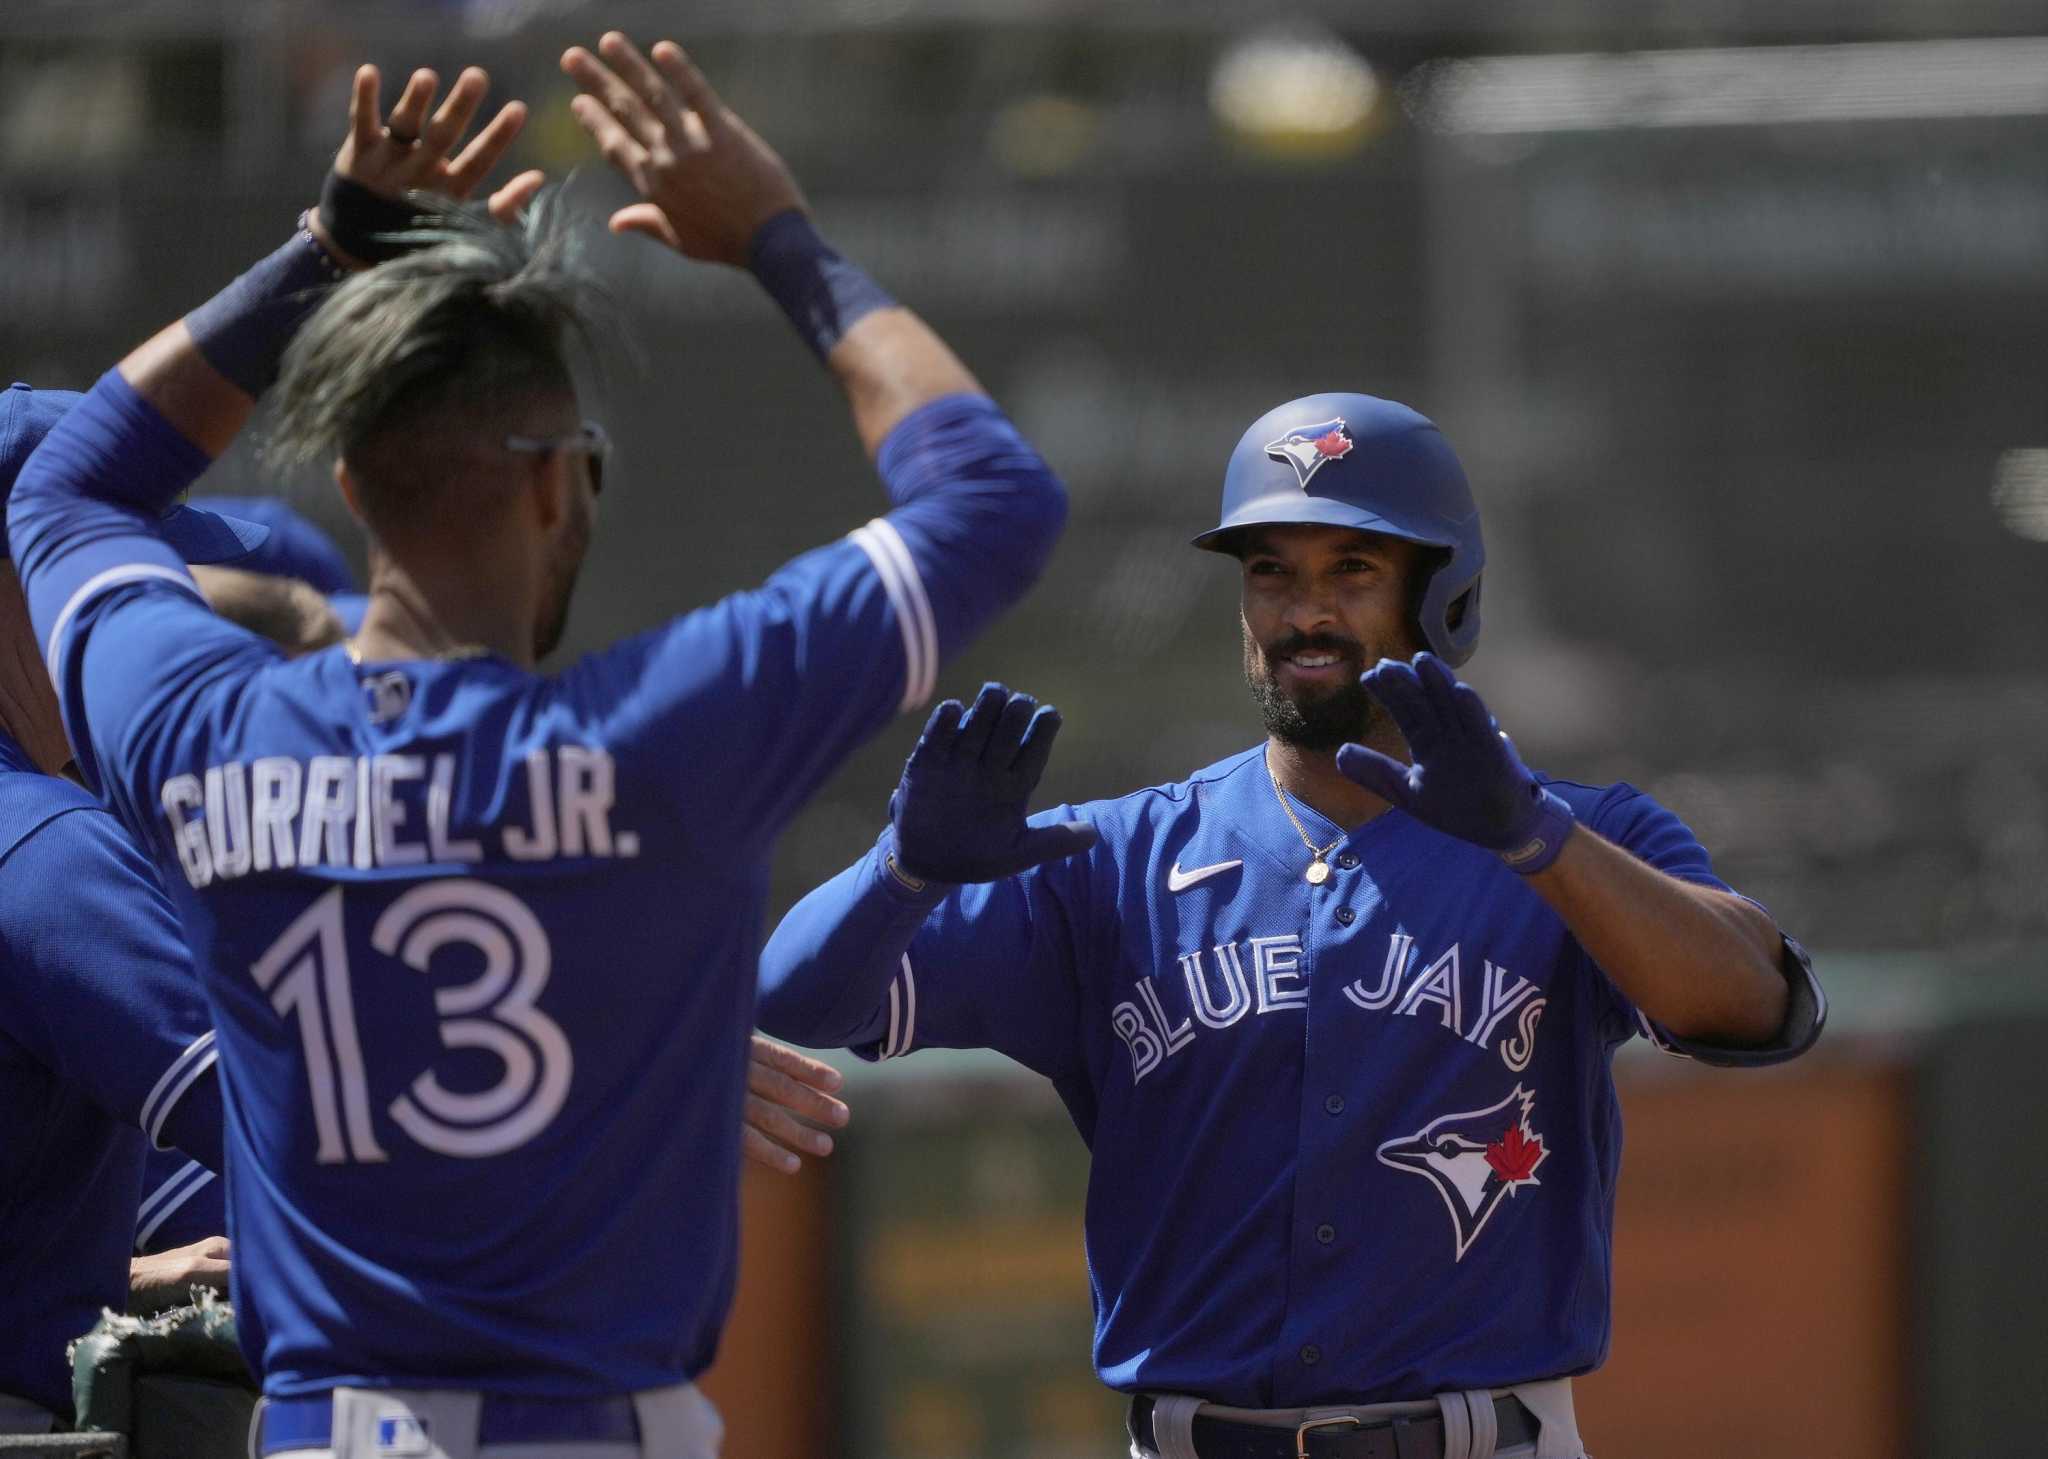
(958, 812)
(1466, 779)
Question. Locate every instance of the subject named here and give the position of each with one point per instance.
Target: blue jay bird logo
(1476, 1160)
(1311, 448)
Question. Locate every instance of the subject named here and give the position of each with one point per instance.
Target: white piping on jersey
(902, 1013)
(182, 1074)
(98, 583)
(897, 569)
(172, 1194)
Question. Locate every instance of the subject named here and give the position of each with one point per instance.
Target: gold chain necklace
(1319, 869)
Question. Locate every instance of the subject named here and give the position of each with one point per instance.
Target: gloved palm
(958, 811)
(1466, 779)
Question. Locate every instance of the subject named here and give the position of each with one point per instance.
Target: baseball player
(283, 589)
(1335, 1014)
(479, 942)
(105, 1046)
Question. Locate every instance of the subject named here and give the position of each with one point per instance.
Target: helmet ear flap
(1449, 617)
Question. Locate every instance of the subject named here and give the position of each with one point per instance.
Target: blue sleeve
(98, 985)
(862, 964)
(1642, 827)
(182, 1202)
(123, 629)
(762, 694)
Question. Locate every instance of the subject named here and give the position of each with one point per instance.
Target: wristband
(364, 224)
(1545, 837)
(242, 331)
(823, 294)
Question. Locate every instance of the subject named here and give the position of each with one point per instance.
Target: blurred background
(1733, 310)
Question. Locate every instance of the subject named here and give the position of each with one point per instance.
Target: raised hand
(958, 812)
(409, 149)
(788, 1095)
(1466, 779)
(708, 181)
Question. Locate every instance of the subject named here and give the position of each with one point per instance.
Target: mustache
(1300, 643)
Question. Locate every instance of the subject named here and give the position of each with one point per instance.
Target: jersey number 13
(306, 974)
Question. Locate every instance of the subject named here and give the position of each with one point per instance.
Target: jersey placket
(1326, 1226)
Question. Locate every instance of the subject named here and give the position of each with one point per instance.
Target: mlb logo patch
(1311, 448)
(404, 1436)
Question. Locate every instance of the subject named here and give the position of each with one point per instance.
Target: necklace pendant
(1318, 872)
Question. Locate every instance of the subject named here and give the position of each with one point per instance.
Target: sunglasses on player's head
(590, 439)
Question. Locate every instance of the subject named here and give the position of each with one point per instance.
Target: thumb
(1051, 843)
(648, 219)
(509, 201)
(1384, 777)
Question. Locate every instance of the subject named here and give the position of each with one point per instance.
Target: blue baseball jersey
(182, 1202)
(104, 1045)
(480, 943)
(1352, 1142)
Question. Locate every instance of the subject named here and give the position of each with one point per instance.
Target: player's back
(492, 982)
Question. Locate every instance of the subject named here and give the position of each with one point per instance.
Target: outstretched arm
(1704, 963)
(83, 519)
(203, 372)
(955, 865)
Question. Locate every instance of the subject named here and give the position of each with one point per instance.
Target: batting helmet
(1340, 460)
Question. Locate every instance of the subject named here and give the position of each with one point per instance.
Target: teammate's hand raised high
(410, 149)
(708, 181)
(958, 812)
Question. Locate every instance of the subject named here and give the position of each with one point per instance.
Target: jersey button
(1326, 1233)
(1346, 916)
(1348, 861)
(1311, 1355)
(1334, 1103)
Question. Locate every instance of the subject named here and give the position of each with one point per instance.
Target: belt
(1336, 1437)
(308, 1422)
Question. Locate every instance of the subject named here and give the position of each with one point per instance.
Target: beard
(1314, 719)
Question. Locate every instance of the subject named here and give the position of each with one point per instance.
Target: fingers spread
(603, 86)
(758, 1148)
(1384, 777)
(1050, 843)
(612, 140)
(509, 201)
(1011, 724)
(648, 84)
(941, 732)
(814, 1072)
(455, 114)
(1471, 716)
(485, 149)
(785, 1129)
(689, 83)
(785, 1092)
(1396, 687)
(1036, 749)
(363, 128)
(980, 725)
(646, 218)
(410, 115)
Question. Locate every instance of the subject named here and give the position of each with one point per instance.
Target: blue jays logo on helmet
(1347, 460)
(1476, 1160)
(1310, 448)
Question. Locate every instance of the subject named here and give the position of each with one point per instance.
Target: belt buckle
(1301, 1430)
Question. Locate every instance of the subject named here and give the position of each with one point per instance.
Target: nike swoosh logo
(1179, 881)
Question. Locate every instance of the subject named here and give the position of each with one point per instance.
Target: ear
(548, 490)
(351, 494)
